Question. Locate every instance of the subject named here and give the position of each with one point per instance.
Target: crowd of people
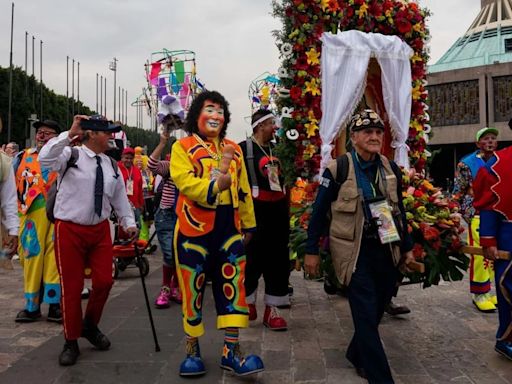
(221, 214)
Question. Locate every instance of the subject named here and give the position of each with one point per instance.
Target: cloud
(232, 40)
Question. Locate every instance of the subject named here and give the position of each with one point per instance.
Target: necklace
(263, 150)
(213, 155)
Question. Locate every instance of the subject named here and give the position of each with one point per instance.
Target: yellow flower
(363, 10)
(309, 151)
(324, 4)
(311, 128)
(416, 58)
(313, 56)
(416, 125)
(417, 27)
(416, 92)
(312, 87)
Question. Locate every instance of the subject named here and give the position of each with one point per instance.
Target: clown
(140, 160)
(37, 255)
(493, 200)
(215, 217)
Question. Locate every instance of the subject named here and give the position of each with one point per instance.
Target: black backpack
(51, 195)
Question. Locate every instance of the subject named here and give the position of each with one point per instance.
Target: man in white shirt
(86, 192)
(9, 207)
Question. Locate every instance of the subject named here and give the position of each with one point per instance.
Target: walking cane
(502, 255)
(139, 264)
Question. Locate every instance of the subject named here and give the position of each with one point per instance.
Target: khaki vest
(347, 222)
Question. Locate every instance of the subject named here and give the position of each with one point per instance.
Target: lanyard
(264, 152)
(377, 176)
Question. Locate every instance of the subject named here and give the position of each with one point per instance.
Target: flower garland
(304, 21)
(433, 220)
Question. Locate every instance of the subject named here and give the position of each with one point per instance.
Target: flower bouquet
(434, 223)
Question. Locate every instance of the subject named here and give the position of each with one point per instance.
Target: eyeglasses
(45, 133)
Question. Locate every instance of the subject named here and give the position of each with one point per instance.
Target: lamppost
(113, 67)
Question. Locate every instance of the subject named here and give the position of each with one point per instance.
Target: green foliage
(26, 96)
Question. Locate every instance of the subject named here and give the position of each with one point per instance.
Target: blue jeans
(165, 221)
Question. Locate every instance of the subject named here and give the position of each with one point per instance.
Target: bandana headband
(262, 119)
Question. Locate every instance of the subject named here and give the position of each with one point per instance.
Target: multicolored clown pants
(220, 256)
(493, 225)
(481, 270)
(37, 256)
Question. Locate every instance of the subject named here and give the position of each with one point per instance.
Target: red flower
(418, 252)
(429, 233)
(403, 26)
(376, 9)
(348, 13)
(418, 193)
(456, 243)
(295, 92)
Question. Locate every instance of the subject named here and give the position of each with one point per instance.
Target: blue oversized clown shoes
(193, 364)
(233, 360)
(504, 348)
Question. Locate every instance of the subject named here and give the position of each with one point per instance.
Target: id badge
(273, 178)
(381, 211)
(129, 187)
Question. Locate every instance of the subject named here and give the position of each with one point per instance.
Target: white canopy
(345, 60)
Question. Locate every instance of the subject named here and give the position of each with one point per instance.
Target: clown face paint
(211, 119)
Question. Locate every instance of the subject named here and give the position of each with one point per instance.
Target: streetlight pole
(41, 74)
(113, 67)
(67, 91)
(96, 92)
(9, 117)
(101, 95)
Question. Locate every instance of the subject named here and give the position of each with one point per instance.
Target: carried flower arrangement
(434, 223)
(304, 21)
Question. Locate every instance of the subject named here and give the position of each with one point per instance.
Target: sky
(232, 40)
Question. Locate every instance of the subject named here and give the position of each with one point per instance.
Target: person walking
(87, 191)
(10, 222)
(364, 259)
(267, 252)
(481, 270)
(36, 247)
(165, 221)
(493, 198)
(214, 211)
(133, 183)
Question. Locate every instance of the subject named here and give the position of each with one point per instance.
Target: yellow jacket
(191, 169)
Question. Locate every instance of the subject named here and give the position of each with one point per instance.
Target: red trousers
(77, 247)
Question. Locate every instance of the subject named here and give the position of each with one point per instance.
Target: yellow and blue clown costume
(481, 271)
(494, 200)
(35, 247)
(208, 233)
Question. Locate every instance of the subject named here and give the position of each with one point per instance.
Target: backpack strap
(252, 171)
(341, 168)
(114, 166)
(71, 162)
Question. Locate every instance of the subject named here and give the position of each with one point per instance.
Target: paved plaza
(443, 340)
